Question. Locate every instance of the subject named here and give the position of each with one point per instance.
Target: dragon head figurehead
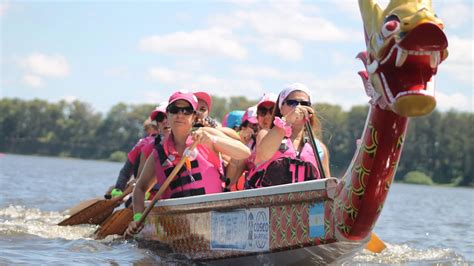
(405, 45)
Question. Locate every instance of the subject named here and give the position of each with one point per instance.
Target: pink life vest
(134, 154)
(204, 177)
(286, 166)
(148, 148)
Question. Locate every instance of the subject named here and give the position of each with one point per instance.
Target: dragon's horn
(371, 13)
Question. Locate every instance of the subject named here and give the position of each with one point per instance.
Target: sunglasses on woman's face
(262, 111)
(294, 103)
(173, 109)
(160, 117)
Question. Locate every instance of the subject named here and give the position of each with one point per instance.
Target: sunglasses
(250, 125)
(160, 117)
(294, 103)
(262, 111)
(173, 109)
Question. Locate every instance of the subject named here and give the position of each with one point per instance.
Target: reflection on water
(421, 225)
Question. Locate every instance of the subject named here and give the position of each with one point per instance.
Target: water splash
(404, 254)
(18, 220)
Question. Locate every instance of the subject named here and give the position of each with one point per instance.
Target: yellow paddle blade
(375, 244)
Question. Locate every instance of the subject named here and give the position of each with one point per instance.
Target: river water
(419, 224)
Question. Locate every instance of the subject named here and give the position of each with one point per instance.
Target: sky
(106, 52)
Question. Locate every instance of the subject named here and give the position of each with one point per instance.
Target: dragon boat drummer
(283, 152)
(201, 174)
(132, 164)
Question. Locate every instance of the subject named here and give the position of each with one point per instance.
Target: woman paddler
(201, 174)
(284, 153)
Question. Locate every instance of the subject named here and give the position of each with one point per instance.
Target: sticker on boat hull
(244, 230)
(316, 220)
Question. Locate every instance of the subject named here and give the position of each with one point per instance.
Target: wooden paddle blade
(115, 224)
(82, 205)
(93, 214)
(375, 244)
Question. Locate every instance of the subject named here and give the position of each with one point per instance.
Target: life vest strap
(188, 193)
(184, 180)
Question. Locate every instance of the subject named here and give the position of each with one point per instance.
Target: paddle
(309, 130)
(119, 224)
(375, 244)
(95, 211)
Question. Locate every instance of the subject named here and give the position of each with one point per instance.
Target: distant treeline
(440, 145)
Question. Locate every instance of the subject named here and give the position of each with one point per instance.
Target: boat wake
(404, 254)
(18, 220)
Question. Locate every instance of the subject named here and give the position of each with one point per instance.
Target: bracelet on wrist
(137, 216)
(116, 192)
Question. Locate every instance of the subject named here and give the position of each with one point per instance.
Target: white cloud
(166, 75)
(209, 42)
(460, 61)
(285, 48)
(272, 74)
(32, 81)
(455, 14)
(4, 6)
(456, 101)
(290, 22)
(46, 65)
(349, 7)
(282, 27)
(179, 79)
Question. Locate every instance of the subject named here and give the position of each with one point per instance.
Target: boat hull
(290, 223)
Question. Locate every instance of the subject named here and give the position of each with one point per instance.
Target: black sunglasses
(294, 103)
(262, 111)
(250, 125)
(173, 109)
(160, 117)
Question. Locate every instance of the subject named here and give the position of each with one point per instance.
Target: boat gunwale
(320, 184)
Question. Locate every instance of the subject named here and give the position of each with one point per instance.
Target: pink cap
(268, 98)
(184, 95)
(250, 115)
(161, 108)
(205, 97)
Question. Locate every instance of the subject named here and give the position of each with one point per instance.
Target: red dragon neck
(361, 193)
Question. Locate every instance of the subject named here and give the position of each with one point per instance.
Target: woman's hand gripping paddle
(94, 211)
(375, 244)
(114, 226)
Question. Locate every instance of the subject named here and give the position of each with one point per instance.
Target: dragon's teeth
(373, 67)
(401, 57)
(434, 59)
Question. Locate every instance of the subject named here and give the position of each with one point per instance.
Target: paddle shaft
(309, 129)
(165, 185)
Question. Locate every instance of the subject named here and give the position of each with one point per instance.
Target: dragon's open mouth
(407, 67)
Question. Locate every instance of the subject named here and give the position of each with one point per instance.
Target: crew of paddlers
(267, 144)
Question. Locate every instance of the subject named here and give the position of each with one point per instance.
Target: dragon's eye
(391, 26)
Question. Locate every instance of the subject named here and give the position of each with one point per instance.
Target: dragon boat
(324, 220)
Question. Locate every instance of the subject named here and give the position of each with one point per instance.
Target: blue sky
(105, 52)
